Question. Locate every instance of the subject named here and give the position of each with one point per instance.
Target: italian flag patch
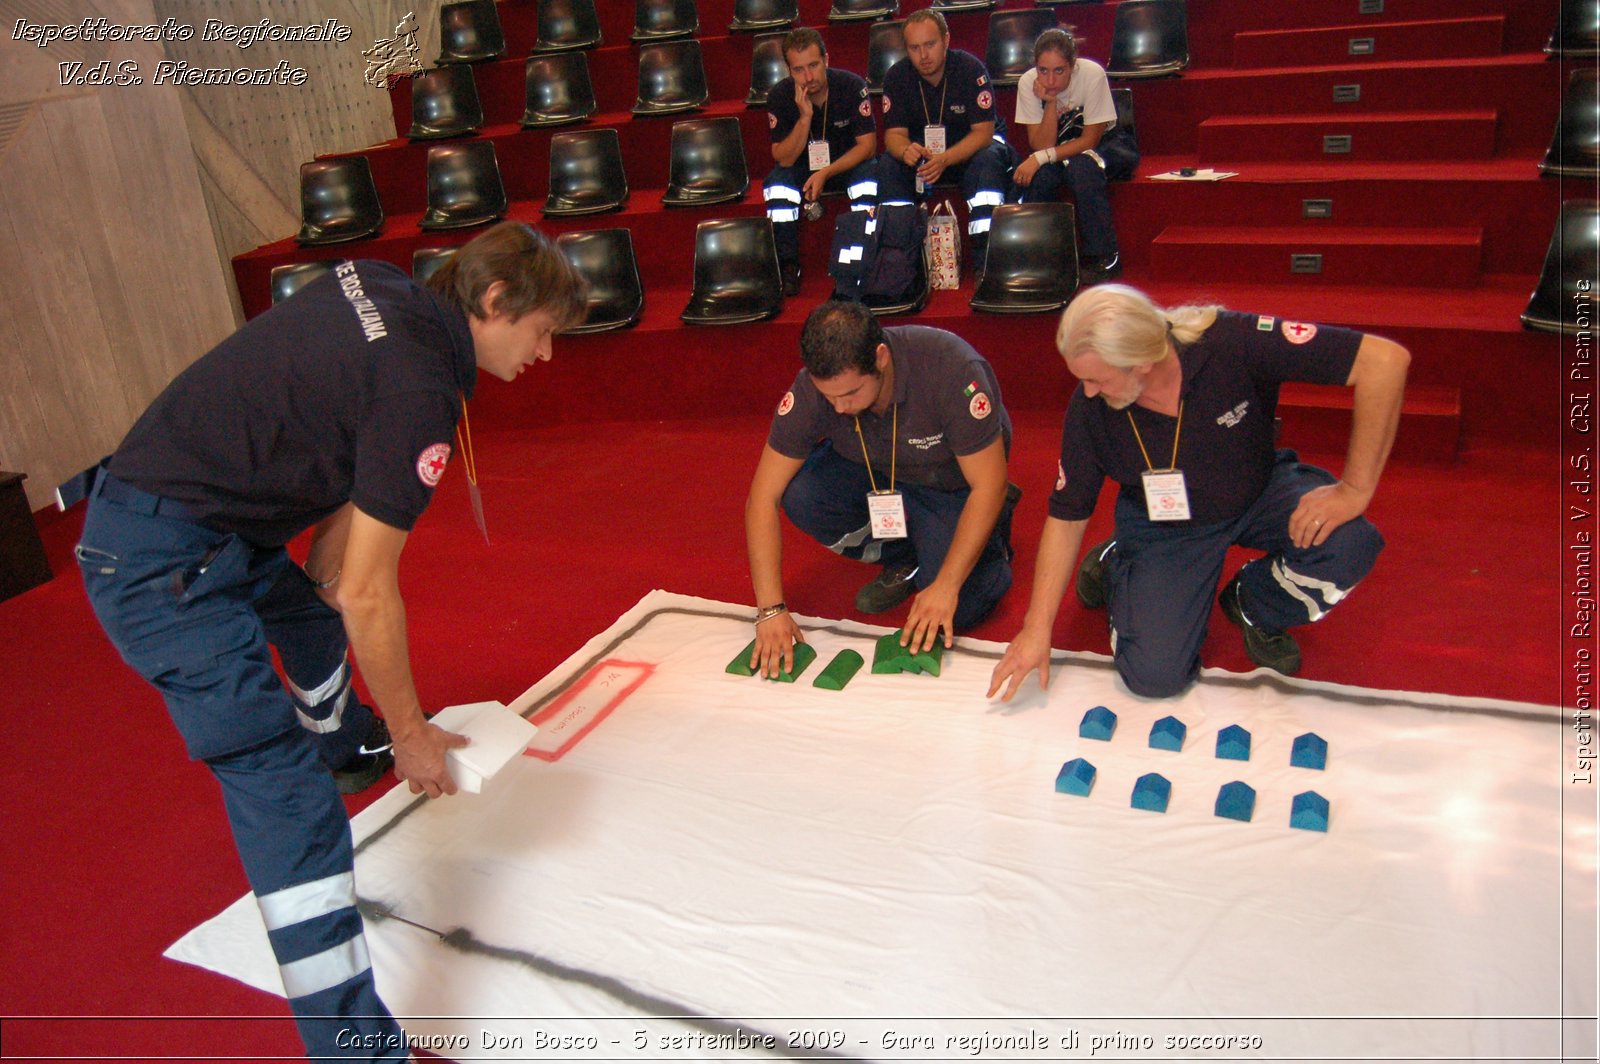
(1264, 323)
(970, 388)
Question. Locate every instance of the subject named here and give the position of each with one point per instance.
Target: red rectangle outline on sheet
(643, 668)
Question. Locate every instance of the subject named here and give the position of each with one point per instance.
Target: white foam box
(497, 735)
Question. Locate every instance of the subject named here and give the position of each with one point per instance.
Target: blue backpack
(878, 254)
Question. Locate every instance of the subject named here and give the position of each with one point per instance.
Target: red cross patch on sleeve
(431, 463)
(1298, 332)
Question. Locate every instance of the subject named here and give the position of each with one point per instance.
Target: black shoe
(1091, 582)
(373, 758)
(1273, 650)
(1095, 271)
(790, 272)
(892, 587)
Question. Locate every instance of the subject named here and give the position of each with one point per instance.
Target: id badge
(1165, 497)
(817, 154)
(933, 138)
(887, 512)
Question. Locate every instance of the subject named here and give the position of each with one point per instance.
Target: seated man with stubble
(890, 448)
(824, 139)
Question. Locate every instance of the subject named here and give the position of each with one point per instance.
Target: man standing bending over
(335, 412)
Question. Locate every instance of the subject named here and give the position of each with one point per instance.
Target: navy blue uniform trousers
(782, 191)
(985, 181)
(1097, 235)
(1163, 575)
(195, 612)
(827, 500)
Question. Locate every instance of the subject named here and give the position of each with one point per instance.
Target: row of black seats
(672, 76)
(1031, 268)
(470, 30)
(339, 199)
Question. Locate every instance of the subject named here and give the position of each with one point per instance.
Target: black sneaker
(373, 758)
(1273, 650)
(790, 272)
(1091, 582)
(892, 587)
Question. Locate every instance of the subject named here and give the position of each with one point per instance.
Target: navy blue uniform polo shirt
(347, 392)
(948, 406)
(847, 113)
(963, 98)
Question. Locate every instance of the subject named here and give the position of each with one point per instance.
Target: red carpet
(117, 845)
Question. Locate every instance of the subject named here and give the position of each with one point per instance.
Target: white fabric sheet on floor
(713, 858)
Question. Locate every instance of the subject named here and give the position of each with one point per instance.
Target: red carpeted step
(1348, 255)
(1339, 138)
(1514, 206)
(1317, 418)
(1449, 38)
(1212, 28)
(1524, 88)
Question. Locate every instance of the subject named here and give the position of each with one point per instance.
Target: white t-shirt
(1086, 101)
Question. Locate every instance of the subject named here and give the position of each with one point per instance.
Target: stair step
(1316, 418)
(1506, 197)
(1349, 255)
(1450, 38)
(1336, 138)
(1527, 25)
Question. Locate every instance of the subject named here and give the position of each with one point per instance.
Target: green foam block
(889, 656)
(804, 655)
(840, 670)
(740, 666)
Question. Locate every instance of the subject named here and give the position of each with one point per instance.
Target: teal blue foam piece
(1233, 743)
(1236, 801)
(1167, 734)
(1076, 777)
(1151, 791)
(1309, 751)
(1098, 723)
(1309, 812)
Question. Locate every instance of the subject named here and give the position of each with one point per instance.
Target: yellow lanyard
(894, 446)
(1175, 434)
(922, 94)
(469, 462)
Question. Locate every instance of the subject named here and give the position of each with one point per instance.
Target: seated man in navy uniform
(1177, 406)
(334, 411)
(939, 121)
(890, 448)
(1064, 108)
(823, 140)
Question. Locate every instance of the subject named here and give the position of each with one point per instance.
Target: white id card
(887, 511)
(817, 154)
(933, 138)
(1165, 496)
